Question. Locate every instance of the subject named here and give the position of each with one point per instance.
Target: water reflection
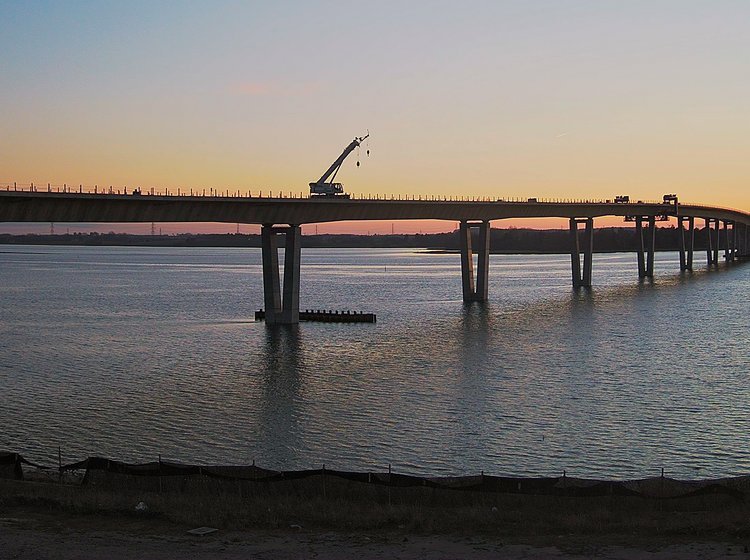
(477, 408)
(476, 327)
(281, 369)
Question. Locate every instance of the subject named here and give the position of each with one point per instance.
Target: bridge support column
(480, 290)
(646, 246)
(687, 249)
(581, 278)
(712, 241)
(727, 241)
(281, 311)
(717, 241)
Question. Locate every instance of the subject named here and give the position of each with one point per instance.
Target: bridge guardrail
(268, 193)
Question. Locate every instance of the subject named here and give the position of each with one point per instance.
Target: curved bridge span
(728, 229)
(24, 206)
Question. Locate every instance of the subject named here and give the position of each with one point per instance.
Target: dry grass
(356, 507)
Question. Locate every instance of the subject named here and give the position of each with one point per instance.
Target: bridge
(727, 228)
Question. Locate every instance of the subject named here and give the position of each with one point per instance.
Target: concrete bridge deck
(25, 206)
(283, 216)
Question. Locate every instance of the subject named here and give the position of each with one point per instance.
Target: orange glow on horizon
(381, 227)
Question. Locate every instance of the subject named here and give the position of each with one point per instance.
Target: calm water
(135, 352)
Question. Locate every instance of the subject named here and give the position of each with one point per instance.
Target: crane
(325, 186)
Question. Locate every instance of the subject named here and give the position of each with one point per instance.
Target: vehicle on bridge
(325, 187)
(622, 199)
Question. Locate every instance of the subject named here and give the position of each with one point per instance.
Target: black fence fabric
(11, 465)
(657, 487)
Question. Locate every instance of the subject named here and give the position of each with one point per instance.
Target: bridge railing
(268, 193)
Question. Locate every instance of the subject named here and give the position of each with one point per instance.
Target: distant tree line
(511, 240)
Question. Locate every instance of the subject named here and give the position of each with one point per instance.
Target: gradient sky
(504, 99)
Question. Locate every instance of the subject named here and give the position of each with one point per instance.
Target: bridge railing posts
(479, 290)
(281, 310)
(582, 277)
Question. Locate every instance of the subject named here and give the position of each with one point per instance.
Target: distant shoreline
(503, 241)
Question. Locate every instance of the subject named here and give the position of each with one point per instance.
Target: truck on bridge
(326, 187)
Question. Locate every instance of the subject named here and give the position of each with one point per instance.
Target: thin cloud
(253, 89)
(266, 89)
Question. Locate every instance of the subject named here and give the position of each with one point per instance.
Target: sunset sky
(558, 98)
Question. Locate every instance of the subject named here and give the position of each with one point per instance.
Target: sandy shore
(35, 534)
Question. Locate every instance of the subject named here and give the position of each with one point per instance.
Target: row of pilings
(282, 300)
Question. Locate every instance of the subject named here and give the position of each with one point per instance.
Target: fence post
(59, 464)
(389, 485)
(160, 487)
(324, 481)
(661, 485)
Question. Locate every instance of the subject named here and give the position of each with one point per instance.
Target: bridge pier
(281, 311)
(647, 246)
(727, 241)
(737, 241)
(732, 241)
(712, 241)
(686, 249)
(472, 291)
(581, 278)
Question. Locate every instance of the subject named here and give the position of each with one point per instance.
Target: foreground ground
(49, 521)
(38, 535)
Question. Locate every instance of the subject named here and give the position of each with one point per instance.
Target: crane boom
(325, 185)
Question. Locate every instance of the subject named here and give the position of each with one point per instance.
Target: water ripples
(132, 353)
